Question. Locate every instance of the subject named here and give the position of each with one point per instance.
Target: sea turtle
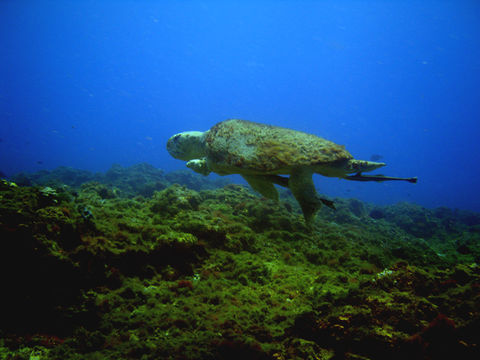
(262, 153)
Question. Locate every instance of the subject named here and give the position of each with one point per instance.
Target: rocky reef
(136, 263)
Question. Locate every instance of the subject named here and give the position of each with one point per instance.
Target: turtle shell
(240, 146)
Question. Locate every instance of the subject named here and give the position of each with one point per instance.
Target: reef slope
(138, 263)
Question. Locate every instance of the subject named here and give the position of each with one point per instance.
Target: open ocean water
(91, 83)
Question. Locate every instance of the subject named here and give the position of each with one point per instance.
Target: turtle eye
(176, 137)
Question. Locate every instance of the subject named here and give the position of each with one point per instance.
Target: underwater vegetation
(136, 263)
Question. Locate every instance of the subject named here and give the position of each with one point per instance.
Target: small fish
(376, 157)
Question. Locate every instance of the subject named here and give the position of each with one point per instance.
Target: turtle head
(187, 145)
(359, 166)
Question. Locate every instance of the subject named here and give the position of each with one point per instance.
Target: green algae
(206, 273)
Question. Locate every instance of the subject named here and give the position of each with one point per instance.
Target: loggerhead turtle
(262, 153)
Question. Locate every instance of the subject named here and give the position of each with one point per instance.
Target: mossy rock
(174, 199)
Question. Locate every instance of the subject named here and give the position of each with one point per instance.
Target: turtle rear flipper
(301, 185)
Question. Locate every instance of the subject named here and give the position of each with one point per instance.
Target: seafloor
(141, 264)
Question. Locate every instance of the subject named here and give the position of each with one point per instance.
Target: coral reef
(137, 263)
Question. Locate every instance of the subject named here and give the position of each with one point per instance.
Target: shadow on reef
(136, 263)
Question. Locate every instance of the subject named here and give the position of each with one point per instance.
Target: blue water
(90, 83)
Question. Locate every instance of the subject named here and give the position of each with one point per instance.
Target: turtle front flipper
(263, 185)
(301, 185)
(200, 166)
